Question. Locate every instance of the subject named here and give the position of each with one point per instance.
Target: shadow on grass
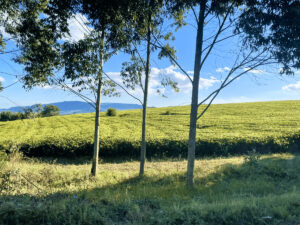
(150, 199)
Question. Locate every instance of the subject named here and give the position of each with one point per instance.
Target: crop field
(225, 129)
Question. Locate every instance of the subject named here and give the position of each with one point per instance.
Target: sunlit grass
(224, 187)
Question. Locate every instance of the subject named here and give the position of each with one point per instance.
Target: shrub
(166, 113)
(111, 112)
(6, 116)
(50, 110)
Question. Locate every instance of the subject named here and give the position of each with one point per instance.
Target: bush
(166, 113)
(111, 112)
(50, 110)
(30, 113)
(6, 116)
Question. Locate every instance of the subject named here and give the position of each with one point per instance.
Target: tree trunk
(195, 92)
(94, 170)
(147, 75)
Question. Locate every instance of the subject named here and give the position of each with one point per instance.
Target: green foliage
(111, 112)
(166, 113)
(227, 191)
(252, 158)
(227, 129)
(50, 110)
(274, 26)
(35, 111)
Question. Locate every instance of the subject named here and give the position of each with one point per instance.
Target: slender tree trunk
(195, 91)
(147, 75)
(94, 170)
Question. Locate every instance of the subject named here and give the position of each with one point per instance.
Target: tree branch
(84, 98)
(124, 89)
(175, 61)
(224, 84)
(216, 37)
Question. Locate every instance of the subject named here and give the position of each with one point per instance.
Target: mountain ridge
(76, 107)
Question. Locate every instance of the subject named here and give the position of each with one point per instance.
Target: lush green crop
(224, 129)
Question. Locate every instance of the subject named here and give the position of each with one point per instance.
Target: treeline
(35, 111)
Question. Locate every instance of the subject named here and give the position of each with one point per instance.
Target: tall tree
(270, 35)
(44, 53)
(148, 17)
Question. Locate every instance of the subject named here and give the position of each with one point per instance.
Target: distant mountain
(75, 107)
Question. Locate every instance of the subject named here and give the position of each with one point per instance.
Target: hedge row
(112, 148)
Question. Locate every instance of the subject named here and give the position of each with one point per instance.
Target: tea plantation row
(226, 129)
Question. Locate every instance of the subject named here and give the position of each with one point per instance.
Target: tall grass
(234, 190)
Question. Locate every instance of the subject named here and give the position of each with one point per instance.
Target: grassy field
(225, 129)
(228, 191)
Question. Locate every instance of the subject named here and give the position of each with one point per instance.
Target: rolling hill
(76, 107)
(225, 129)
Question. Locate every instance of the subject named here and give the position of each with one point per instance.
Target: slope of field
(224, 129)
(228, 191)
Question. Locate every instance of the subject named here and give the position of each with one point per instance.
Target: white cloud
(77, 28)
(184, 83)
(5, 35)
(2, 79)
(169, 71)
(221, 70)
(172, 72)
(206, 83)
(254, 71)
(292, 87)
(185, 88)
(47, 87)
(7, 20)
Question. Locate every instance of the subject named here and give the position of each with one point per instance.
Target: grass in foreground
(227, 191)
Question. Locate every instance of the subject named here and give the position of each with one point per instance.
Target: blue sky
(263, 84)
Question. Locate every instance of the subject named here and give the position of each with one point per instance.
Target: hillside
(225, 129)
(76, 107)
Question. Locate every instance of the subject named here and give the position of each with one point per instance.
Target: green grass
(224, 129)
(228, 191)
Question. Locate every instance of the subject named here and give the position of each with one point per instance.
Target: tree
(44, 53)
(50, 110)
(270, 36)
(150, 15)
(38, 108)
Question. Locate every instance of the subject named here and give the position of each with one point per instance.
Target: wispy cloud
(172, 72)
(78, 28)
(47, 87)
(292, 87)
(2, 79)
(254, 71)
(222, 70)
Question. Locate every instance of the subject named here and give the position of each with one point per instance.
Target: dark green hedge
(112, 148)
